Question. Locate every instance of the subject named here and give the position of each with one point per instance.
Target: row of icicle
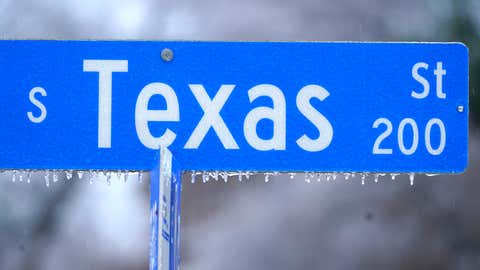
(308, 177)
(53, 176)
(205, 176)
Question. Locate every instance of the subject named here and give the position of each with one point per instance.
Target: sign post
(165, 191)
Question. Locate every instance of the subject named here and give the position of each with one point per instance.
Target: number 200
(413, 148)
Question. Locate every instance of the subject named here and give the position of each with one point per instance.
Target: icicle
(247, 175)
(412, 178)
(239, 176)
(377, 176)
(215, 176)
(140, 177)
(307, 177)
(224, 176)
(205, 177)
(69, 175)
(334, 176)
(328, 177)
(20, 176)
(125, 176)
(347, 175)
(29, 176)
(193, 175)
(267, 177)
(292, 175)
(91, 176)
(364, 175)
(47, 178)
(394, 175)
(14, 176)
(310, 176)
(80, 174)
(55, 176)
(109, 176)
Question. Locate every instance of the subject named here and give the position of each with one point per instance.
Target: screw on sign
(367, 109)
(167, 55)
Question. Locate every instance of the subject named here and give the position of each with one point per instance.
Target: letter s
(419, 78)
(36, 102)
(318, 120)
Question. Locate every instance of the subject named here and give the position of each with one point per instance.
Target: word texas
(211, 108)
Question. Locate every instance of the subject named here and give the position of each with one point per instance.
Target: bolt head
(167, 55)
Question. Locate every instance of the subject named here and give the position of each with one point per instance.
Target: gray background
(283, 224)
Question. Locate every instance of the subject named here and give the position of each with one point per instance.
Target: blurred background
(282, 224)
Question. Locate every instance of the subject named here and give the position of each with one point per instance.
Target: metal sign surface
(299, 106)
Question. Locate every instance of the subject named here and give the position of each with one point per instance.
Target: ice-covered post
(165, 190)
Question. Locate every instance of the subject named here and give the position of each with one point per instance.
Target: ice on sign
(243, 106)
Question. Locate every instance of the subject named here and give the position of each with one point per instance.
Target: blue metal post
(165, 190)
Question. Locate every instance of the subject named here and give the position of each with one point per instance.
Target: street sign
(251, 106)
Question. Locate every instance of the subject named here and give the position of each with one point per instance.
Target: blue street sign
(286, 106)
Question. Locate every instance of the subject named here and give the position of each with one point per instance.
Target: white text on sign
(211, 108)
(439, 72)
(212, 119)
